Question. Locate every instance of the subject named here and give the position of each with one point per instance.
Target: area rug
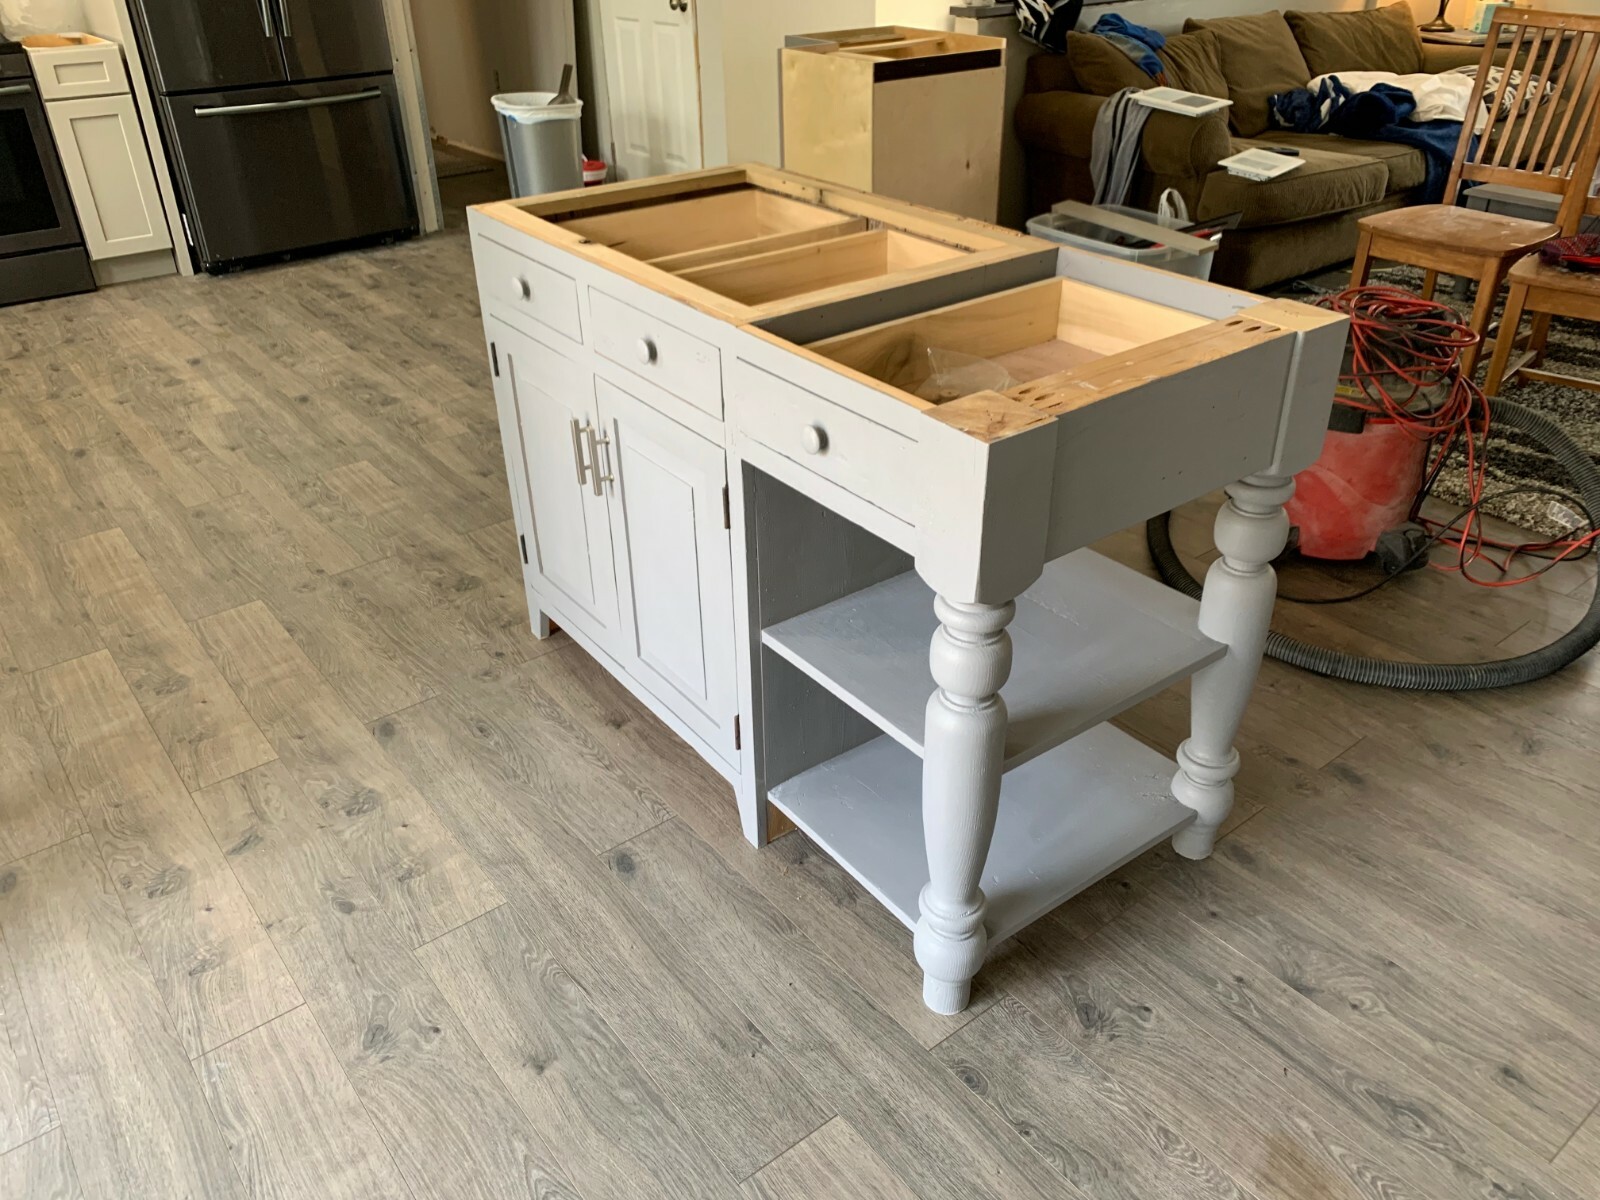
(1514, 461)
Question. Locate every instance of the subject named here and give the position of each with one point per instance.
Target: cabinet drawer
(652, 349)
(72, 65)
(855, 452)
(519, 289)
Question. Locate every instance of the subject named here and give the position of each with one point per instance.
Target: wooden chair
(1517, 148)
(1546, 292)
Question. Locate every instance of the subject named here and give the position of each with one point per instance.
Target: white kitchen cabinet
(562, 509)
(108, 172)
(669, 530)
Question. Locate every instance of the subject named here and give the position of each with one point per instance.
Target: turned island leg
(963, 748)
(1235, 609)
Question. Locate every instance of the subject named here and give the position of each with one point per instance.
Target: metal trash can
(543, 144)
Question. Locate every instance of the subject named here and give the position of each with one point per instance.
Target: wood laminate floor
(320, 878)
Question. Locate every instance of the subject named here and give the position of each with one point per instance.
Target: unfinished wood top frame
(760, 233)
(1066, 343)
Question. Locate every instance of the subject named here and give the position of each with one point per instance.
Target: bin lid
(529, 108)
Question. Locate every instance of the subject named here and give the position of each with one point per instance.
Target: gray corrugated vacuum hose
(1436, 677)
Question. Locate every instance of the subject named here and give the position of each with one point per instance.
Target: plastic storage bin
(544, 150)
(1081, 234)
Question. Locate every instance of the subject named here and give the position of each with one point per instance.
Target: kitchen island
(814, 473)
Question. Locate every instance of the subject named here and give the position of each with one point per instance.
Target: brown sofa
(1300, 222)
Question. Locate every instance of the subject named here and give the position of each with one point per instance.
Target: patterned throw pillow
(1048, 22)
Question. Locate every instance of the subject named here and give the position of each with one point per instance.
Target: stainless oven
(41, 250)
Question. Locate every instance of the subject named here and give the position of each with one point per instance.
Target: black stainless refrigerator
(282, 124)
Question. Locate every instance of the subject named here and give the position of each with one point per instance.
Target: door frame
(414, 115)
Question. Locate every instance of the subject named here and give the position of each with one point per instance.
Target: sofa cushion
(1405, 164)
(1100, 68)
(1374, 39)
(1193, 61)
(1259, 59)
(1049, 73)
(1325, 183)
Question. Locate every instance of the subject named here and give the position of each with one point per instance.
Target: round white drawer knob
(520, 288)
(645, 348)
(814, 438)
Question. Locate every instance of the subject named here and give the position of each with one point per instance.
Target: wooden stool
(1544, 291)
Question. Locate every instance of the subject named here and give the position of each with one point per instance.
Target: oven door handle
(15, 89)
(236, 110)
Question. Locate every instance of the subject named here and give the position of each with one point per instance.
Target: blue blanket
(1380, 115)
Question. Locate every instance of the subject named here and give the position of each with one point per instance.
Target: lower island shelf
(1067, 818)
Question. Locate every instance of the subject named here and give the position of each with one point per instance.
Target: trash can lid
(528, 108)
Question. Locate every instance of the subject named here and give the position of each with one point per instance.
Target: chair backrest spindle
(1547, 64)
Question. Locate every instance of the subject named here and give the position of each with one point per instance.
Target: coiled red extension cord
(1405, 365)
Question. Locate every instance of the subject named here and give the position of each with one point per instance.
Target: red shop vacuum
(1400, 396)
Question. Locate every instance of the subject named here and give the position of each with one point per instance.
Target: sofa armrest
(1172, 145)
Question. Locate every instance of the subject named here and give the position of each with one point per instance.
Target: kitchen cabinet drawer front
(866, 458)
(679, 362)
(551, 402)
(72, 72)
(674, 565)
(520, 289)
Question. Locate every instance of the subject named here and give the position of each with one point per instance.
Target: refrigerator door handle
(283, 17)
(266, 19)
(236, 110)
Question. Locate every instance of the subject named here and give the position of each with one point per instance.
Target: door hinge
(727, 518)
(494, 357)
(522, 540)
(738, 743)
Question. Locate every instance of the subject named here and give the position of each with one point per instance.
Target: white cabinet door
(108, 172)
(561, 514)
(674, 571)
(653, 85)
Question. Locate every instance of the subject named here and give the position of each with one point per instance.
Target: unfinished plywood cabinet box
(914, 114)
(855, 581)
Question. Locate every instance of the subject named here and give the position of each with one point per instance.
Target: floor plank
(295, 1126)
(733, 1087)
(135, 1119)
(40, 1170)
(1579, 1160)
(27, 1106)
(1103, 1140)
(426, 882)
(1534, 1080)
(835, 1162)
(614, 1129)
(453, 1129)
(39, 808)
(213, 963)
(44, 621)
(849, 1051)
(205, 730)
(842, 918)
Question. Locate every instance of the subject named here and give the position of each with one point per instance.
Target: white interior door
(653, 81)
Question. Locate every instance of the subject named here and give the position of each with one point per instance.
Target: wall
(470, 49)
(740, 40)
(22, 17)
